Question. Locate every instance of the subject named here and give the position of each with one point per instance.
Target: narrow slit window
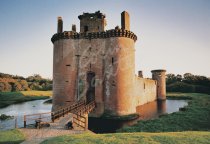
(112, 60)
(144, 86)
(68, 65)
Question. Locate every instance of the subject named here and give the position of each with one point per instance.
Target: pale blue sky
(172, 34)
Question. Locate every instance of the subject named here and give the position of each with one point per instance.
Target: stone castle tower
(98, 64)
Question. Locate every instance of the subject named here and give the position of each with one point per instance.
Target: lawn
(194, 117)
(133, 138)
(8, 98)
(11, 137)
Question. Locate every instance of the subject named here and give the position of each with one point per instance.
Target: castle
(98, 64)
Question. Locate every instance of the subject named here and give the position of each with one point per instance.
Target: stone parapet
(94, 35)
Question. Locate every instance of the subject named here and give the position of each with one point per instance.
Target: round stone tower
(159, 76)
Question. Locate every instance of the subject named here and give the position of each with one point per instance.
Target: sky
(172, 34)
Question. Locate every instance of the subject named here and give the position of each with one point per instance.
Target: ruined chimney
(125, 20)
(60, 25)
(73, 28)
(140, 74)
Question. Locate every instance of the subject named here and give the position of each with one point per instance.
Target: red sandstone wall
(145, 90)
(159, 75)
(63, 75)
(118, 91)
(119, 84)
(92, 52)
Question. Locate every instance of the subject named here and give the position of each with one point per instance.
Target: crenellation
(94, 35)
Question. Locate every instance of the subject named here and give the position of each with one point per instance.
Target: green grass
(11, 137)
(8, 98)
(133, 138)
(195, 117)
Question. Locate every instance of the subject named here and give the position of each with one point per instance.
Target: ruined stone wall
(145, 90)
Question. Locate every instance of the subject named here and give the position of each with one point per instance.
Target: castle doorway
(90, 96)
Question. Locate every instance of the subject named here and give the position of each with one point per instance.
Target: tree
(170, 78)
(16, 86)
(179, 78)
(24, 85)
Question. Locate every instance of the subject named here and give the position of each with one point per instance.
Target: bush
(180, 87)
(189, 88)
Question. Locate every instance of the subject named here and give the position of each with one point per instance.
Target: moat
(148, 111)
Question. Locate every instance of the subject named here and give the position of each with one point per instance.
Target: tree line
(187, 83)
(12, 83)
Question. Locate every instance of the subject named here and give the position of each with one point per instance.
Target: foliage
(10, 83)
(8, 98)
(11, 137)
(187, 83)
(5, 117)
(133, 138)
(196, 117)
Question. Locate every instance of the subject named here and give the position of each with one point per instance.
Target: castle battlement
(94, 35)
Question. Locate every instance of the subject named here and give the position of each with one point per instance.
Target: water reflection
(148, 111)
(18, 110)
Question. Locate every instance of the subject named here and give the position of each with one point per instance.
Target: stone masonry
(98, 64)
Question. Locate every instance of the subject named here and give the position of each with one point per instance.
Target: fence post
(52, 117)
(86, 121)
(24, 121)
(16, 126)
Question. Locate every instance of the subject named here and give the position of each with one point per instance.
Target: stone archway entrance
(90, 95)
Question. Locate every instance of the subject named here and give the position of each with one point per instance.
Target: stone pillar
(125, 20)
(159, 76)
(74, 28)
(140, 74)
(60, 25)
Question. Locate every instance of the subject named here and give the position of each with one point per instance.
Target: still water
(148, 111)
(19, 110)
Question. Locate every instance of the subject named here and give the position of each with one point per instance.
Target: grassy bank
(133, 138)
(11, 137)
(8, 98)
(194, 117)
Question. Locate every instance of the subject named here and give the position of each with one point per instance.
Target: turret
(159, 76)
(73, 28)
(60, 25)
(92, 22)
(125, 20)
